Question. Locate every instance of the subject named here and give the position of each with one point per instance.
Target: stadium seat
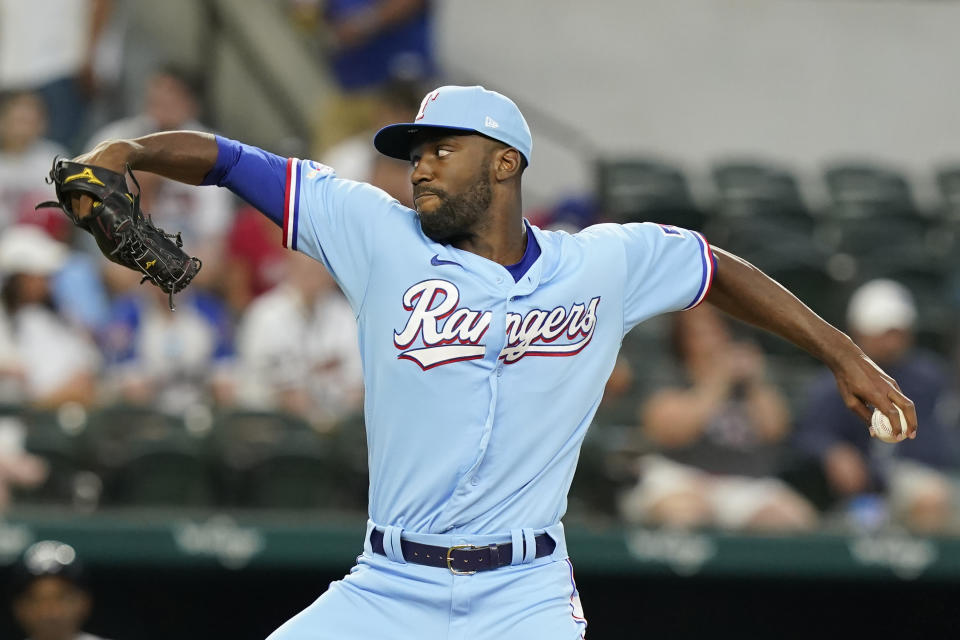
(948, 183)
(750, 188)
(946, 236)
(276, 461)
(59, 443)
(866, 189)
(861, 237)
(646, 190)
(148, 458)
(758, 206)
(870, 205)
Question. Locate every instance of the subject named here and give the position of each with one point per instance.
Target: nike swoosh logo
(436, 261)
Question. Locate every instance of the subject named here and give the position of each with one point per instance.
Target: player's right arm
(185, 156)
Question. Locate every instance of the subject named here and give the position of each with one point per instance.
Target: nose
(423, 172)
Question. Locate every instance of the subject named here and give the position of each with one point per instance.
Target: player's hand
(110, 154)
(863, 383)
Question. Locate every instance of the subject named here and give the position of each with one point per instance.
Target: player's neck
(503, 239)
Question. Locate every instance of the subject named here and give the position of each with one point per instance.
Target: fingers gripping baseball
(863, 385)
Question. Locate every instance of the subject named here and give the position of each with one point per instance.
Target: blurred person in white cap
(44, 361)
(51, 598)
(910, 475)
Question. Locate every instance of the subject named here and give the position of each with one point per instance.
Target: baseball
(881, 428)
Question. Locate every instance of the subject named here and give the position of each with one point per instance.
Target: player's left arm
(748, 294)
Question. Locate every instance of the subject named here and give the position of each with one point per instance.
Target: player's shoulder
(617, 233)
(314, 174)
(360, 200)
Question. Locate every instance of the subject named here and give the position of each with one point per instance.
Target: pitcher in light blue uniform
(486, 343)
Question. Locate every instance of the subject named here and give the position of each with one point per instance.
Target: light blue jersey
(481, 382)
(480, 389)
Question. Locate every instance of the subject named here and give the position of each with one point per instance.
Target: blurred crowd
(705, 423)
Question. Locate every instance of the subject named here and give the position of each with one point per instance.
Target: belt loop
(516, 538)
(529, 546)
(391, 544)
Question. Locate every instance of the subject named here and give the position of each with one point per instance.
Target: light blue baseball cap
(467, 109)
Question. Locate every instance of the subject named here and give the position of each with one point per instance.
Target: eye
(414, 161)
(443, 152)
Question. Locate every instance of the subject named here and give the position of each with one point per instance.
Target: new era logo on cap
(465, 109)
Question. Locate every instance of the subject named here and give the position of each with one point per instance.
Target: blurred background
(208, 476)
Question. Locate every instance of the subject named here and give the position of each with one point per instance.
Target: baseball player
(51, 598)
(486, 343)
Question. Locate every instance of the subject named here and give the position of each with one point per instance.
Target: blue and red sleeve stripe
(291, 204)
(709, 263)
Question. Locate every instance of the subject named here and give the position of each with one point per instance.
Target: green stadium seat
(760, 212)
(60, 443)
(759, 189)
(870, 206)
(867, 189)
(149, 458)
(646, 190)
(276, 461)
(948, 183)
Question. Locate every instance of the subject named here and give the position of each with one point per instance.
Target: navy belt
(463, 559)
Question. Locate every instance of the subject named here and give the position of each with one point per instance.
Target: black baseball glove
(122, 232)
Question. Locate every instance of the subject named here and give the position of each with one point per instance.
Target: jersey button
(499, 279)
(474, 480)
(513, 299)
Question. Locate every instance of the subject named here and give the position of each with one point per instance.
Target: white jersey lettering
(453, 334)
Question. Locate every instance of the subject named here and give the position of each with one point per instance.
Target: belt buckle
(450, 566)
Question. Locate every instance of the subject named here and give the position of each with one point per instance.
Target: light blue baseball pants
(389, 599)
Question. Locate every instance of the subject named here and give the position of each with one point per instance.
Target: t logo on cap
(423, 105)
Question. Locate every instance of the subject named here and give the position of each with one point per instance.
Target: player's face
(451, 184)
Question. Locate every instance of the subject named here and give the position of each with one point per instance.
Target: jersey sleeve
(668, 269)
(341, 223)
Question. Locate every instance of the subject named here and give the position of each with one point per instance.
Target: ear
(507, 164)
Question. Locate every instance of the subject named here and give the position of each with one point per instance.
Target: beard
(458, 216)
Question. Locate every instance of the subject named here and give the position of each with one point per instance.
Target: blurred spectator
(298, 348)
(880, 317)
(203, 216)
(171, 361)
(25, 156)
(356, 159)
(50, 47)
(380, 40)
(719, 432)
(25, 161)
(374, 42)
(46, 361)
(255, 257)
(51, 600)
(17, 467)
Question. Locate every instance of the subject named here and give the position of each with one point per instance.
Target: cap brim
(396, 140)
